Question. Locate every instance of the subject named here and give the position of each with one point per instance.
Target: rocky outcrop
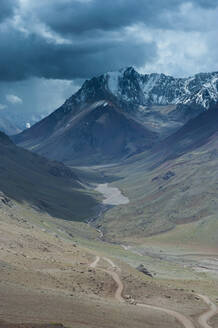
(142, 269)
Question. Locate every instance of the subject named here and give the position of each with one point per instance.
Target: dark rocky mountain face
(129, 86)
(100, 133)
(151, 89)
(118, 114)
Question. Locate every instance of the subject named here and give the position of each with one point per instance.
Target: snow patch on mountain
(113, 80)
(153, 89)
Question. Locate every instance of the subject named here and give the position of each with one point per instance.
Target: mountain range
(159, 134)
(144, 229)
(172, 187)
(119, 114)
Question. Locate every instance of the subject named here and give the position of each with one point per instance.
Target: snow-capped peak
(151, 89)
(113, 80)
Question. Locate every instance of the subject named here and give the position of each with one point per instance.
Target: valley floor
(51, 273)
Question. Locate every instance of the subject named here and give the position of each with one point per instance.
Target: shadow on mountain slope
(49, 186)
(194, 134)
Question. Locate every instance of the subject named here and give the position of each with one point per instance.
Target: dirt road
(95, 263)
(110, 262)
(186, 322)
(205, 317)
(118, 293)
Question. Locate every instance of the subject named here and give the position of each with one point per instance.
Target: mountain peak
(129, 86)
(122, 99)
(122, 71)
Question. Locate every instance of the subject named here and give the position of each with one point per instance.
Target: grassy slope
(187, 200)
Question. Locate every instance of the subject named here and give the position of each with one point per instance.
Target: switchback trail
(119, 290)
(205, 317)
(118, 293)
(95, 263)
(113, 274)
(187, 323)
(110, 262)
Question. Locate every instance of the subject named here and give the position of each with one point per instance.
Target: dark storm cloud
(81, 16)
(26, 51)
(7, 8)
(68, 39)
(22, 57)
(44, 40)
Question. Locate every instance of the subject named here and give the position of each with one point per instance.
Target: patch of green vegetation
(202, 232)
(179, 193)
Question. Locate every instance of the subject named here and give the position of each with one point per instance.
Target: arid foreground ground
(51, 275)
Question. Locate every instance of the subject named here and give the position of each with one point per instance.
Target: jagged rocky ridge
(151, 89)
(118, 114)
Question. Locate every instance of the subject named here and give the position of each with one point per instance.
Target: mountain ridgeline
(120, 114)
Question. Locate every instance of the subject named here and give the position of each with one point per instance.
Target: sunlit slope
(173, 186)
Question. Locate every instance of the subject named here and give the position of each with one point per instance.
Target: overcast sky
(48, 47)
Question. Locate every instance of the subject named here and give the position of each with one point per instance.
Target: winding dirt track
(120, 287)
(118, 293)
(95, 263)
(186, 322)
(205, 317)
(110, 262)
